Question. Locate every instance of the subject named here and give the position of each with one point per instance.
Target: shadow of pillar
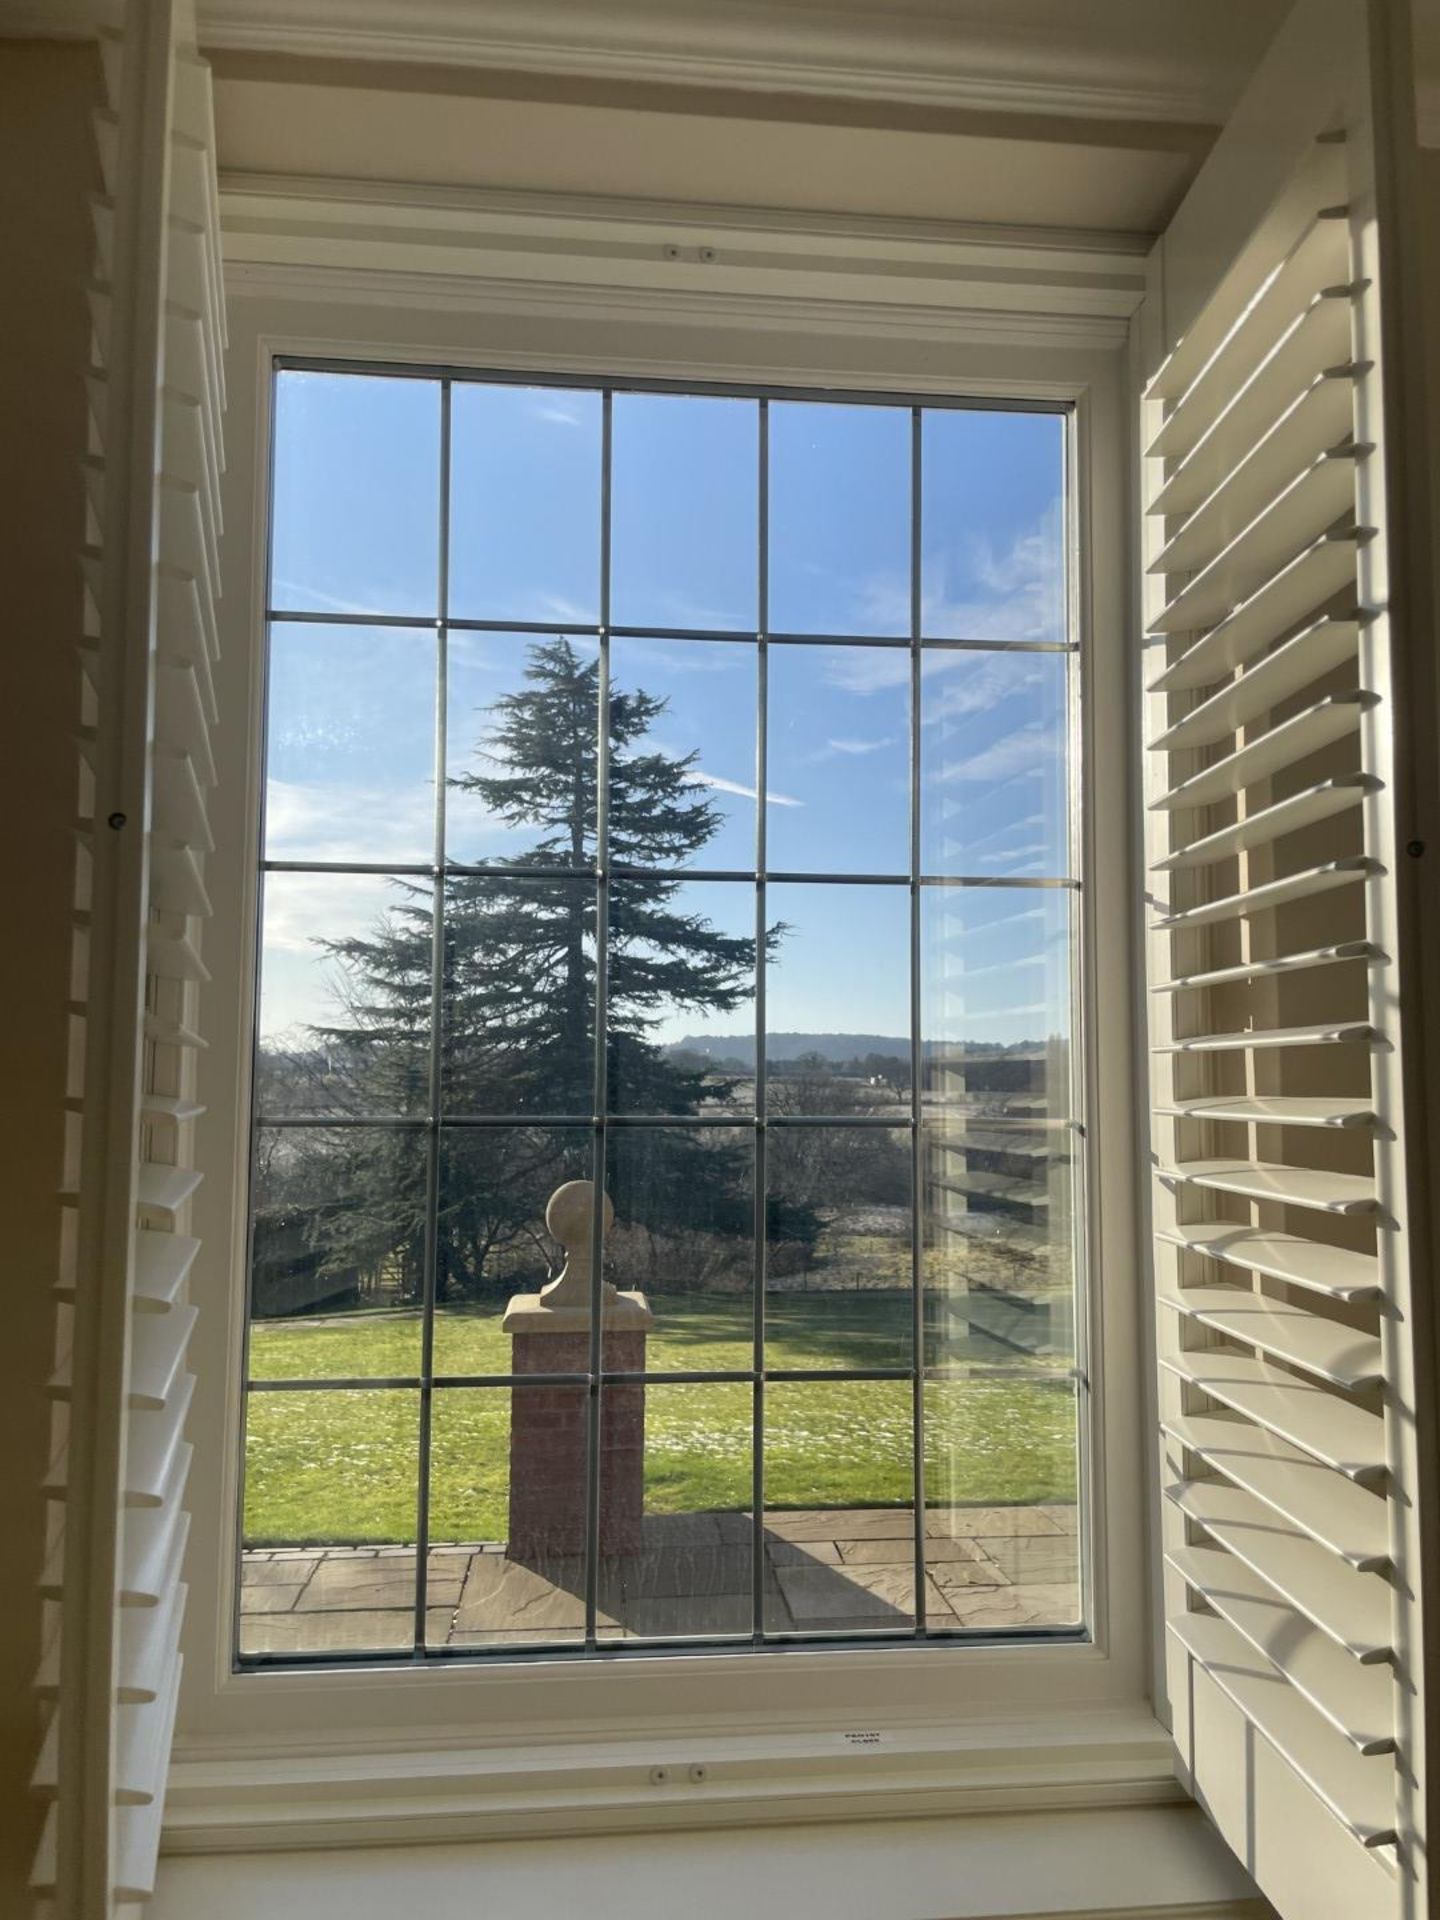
(551, 1334)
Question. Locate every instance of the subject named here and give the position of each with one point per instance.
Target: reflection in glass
(350, 744)
(1002, 1537)
(501, 1459)
(685, 1572)
(999, 1237)
(329, 1477)
(681, 987)
(345, 972)
(995, 1001)
(356, 494)
(682, 774)
(524, 503)
(992, 533)
(337, 1251)
(518, 995)
(522, 720)
(837, 999)
(491, 1238)
(839, 518)
(838, 760)
(838, 1566)
(994, 765)
(684, 508)
(684, 1235)
(838, 1250)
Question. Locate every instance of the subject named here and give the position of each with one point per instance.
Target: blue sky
(351, 769)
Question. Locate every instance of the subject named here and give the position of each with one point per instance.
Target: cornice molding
(1125, 60)
(655, 261)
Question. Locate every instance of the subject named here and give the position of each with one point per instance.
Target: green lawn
(342, 1466)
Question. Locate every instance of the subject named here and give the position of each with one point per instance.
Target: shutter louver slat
(1276, 1110)
(1273, 678)
(1269, 967)
(1331, 1430)
(1294, 1334)
(1335, 1271)
(1357, 1700)
(1307, 808)
(1276, 893)
(1358, 1789)
(1328, 721)
(1352, 1608)
(1342, 1515)
(1343, 1193)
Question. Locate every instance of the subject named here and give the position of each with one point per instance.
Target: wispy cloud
(1024, 754)
(557, 413)
(698, 778)
(349, 820)
(305, 599)
(859, 747)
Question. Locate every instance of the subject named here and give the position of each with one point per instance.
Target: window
(667, 792)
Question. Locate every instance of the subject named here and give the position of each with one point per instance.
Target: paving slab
(969, 1522)
(1034, 1606)
(863, 1523)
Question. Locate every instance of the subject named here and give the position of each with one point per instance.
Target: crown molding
(1123, 59)
(655, 261)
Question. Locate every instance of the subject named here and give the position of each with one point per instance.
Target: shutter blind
(1280, 1254)
(113, 1585)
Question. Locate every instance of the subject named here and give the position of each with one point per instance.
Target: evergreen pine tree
(519, 997)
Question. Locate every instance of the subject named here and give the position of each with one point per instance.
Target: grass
(342, 1466)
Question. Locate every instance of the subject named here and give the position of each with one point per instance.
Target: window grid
(435, 1122)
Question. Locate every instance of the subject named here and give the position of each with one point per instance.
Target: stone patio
(826, 1572)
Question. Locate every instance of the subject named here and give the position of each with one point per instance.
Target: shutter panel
(1286, 1083)
(113, 1584)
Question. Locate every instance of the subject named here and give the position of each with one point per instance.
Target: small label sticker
(862, 1739)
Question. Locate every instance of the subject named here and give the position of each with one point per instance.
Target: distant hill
(835, 1047)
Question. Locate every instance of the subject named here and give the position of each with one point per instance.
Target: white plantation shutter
(113, 1584)
(1286, 1090)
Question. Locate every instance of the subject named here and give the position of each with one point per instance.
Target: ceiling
(1089, 114)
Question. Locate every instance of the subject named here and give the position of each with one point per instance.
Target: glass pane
(337, 1252)
(837, 999)
(999, 1235)
(507, 1495)
(838, 746)
(524, 503)
(838, 1256)
(350, 745)
(994, 765)
(492, 1241)
(682, 772)
(684, 1238)
(681, 992)
(519, 996)
(684, 511)
(356, 509)
(839, 519)
(993, 544)
(345, 995)
(522, 726)
(331, 1483)
(995, 1001)
(1001, 1524)
(676, 1536)
(839, 1506)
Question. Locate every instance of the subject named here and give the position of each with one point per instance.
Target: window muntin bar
(921, 648)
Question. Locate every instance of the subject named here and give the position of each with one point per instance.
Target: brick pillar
(550, 1333)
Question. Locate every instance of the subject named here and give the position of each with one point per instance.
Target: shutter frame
(1311, 1423)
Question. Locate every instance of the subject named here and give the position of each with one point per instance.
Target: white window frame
(1005, 1720)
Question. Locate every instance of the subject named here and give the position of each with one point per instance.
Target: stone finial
(570, 1217)
(564, 1305)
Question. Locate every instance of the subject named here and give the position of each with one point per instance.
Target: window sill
(357, 1792)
